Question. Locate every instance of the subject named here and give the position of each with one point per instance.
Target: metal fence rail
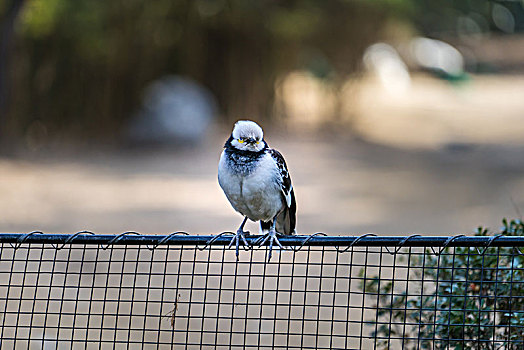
(86, 291)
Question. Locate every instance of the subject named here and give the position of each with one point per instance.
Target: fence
(86, 291)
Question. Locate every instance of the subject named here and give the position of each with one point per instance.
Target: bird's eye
(241, 140)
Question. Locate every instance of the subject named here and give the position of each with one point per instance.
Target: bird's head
(247, 136)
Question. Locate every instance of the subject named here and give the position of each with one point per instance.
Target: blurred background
(395, 116)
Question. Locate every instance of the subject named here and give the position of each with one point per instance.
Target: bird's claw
(239, 236)
(271, 236)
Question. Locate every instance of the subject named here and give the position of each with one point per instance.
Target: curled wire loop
(119, 237)
(71, 238)
(446, 244)
(167, 238)
(259, 240)
(519, 252)
(488, 244)
(401, 244)
(214, 239)
(304, 242)
(21, 240)
(354, 242)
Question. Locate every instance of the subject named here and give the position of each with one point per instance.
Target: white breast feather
(257, 195)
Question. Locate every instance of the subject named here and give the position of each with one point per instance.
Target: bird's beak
(251, 141)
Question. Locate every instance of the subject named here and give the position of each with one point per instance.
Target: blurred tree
(467, 17)
(10, 13)
(81, 65)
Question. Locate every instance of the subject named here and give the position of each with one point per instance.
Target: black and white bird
(256, 182)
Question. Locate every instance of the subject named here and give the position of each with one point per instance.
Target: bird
(256, 181)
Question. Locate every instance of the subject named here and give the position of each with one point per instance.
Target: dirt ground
(343, 186)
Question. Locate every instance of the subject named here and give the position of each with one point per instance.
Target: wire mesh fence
(134, 291)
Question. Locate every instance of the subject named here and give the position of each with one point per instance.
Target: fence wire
(134, 291)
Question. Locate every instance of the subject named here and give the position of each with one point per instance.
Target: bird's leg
(271, 236)
(240, 235)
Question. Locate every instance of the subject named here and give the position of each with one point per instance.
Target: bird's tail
(264, 227)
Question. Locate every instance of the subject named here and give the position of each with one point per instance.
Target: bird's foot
(239, 236)
(271, 236)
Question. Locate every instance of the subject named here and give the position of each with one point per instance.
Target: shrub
(462, 298)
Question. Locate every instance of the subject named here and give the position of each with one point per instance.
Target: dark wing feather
(286, 219)
(285, 179)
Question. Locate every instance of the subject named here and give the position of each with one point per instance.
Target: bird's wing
(286, 219)
(285, 183)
